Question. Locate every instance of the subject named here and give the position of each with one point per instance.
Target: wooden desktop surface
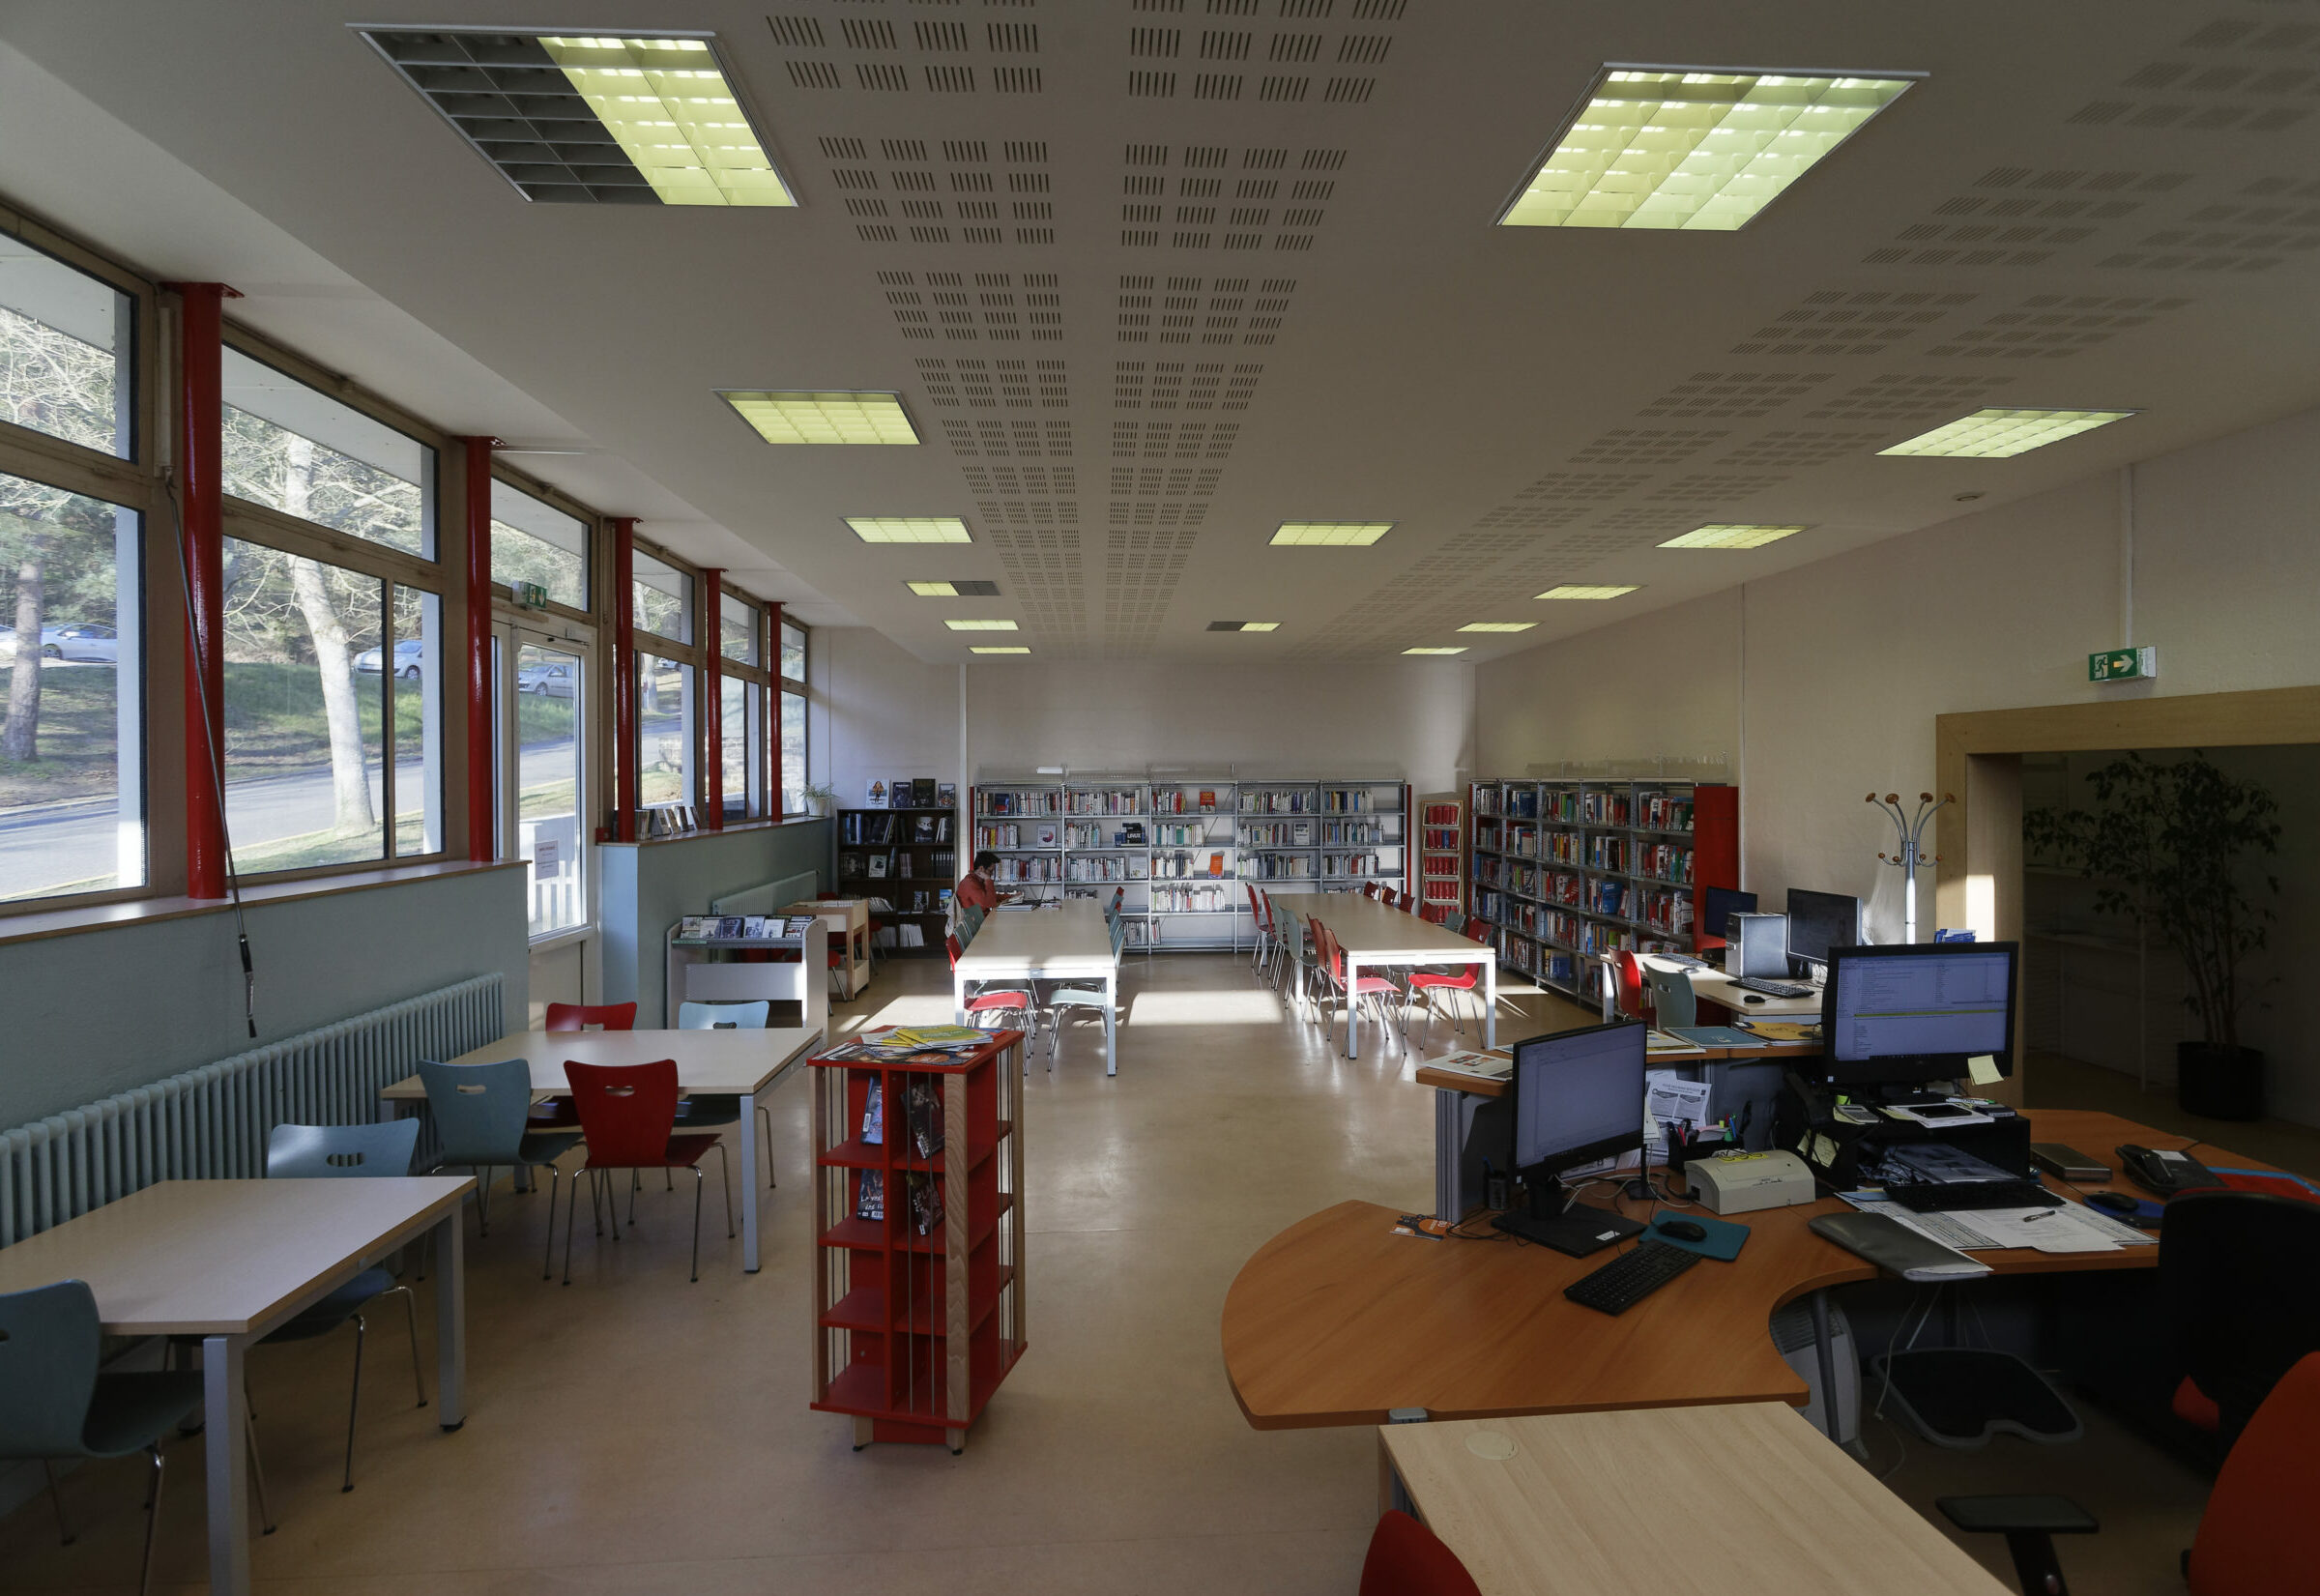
(724, 1063)
(1369, 930)
(1338, 1321)
(1714, 986)
(208, 1258)
(1587, 1504)
(1071, 941)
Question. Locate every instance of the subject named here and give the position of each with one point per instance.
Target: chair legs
(56, 1501)
(257, 1469)
(547, 1250)
(354, 1400)
(698, 1181)
(599, 1198)
(152, 1521)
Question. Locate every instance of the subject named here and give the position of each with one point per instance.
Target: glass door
(543, 771)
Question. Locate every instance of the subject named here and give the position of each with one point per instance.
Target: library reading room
(1386, 798)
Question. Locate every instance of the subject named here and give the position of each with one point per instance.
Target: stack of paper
(2072, 1227)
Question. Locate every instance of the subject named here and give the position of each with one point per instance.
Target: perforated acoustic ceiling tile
(1630, 445)
(1799, 450)
(1141, 566)
(1169, 481)
(2233, 75)
(1150, 513)
(1712, 487)
(1027, 512)
(934, 55)
(1306, 53)
(1850, 321)
(1176, 309)
(1181, 385)
(1897, 397)
(976, 306)
(1202, 196)
(1560, 497)
(950, 190)
(1035, 480)
(1046, 580)
(1173, 440)
(994, 384)
(2055, 325)
(1024, 439)
(2267, 222)
(2020, 216)
(1731, 395)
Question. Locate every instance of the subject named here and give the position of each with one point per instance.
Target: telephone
(2164, 1174)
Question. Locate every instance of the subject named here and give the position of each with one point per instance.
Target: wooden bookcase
(912, 1332)
(1442, 840)
(1570, 870)
(912, 870)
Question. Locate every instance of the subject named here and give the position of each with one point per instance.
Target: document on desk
(2070, 1229)
(1667, 1096)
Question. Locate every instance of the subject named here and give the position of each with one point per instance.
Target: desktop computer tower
(1756, 944)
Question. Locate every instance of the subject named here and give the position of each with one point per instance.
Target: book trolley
(919, 1288)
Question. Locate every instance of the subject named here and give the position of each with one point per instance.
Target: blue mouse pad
(1723, 1241)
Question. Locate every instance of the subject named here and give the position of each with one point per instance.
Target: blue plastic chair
(54, 1404)
(480, 1113)
(711, 1113)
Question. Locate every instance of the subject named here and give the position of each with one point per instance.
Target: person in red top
(975, 888)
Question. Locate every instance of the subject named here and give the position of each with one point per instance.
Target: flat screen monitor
(1578, 1096)
(1819, 921)
(1915, 1011)
(1717, 907)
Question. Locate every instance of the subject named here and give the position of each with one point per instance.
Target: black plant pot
(2217, 1082)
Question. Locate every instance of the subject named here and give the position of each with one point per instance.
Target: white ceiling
(2087, 204)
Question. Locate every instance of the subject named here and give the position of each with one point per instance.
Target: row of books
(911, 793)
(1181, 865)
(1002, 800)
(1668, 910)
(1664, 811)
(905, 934)
(1277, 833)
(1292, 801)
(1349, 800)
(875, 829)
(1438, 867)
(1013, 836)
(1439, 838)
(734, 928)
(1195, 900)
(1034, 868)
(1606, 852)
(1105, 867)
(1348, 865)
(1197, 801)
(1663, 861)
(1178, 836)
(1344, 832)
(1440, 814)
(1123, 800)
(1276, 867)
(1088, 834)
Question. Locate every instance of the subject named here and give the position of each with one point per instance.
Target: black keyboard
(1631, 1277)
(1960, 1196)
(1772, 989)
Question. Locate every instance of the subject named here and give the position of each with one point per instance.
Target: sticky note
(1983, 1069)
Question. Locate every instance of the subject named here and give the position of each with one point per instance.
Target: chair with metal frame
(1375, 988)
(628, 1115)
(713, 1113)
(1077, 996)
(481, 1117)
(1672, 1001)
(1001, 999)
(556, 1113)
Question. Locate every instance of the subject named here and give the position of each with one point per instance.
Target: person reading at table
(976, 895)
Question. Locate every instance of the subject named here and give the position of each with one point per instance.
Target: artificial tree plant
(2169, 846)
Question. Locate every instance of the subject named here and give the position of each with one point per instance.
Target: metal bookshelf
(1573, 870)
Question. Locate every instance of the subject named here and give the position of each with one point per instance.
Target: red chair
(1368, 890)
(1480, 930)
(1406, 1558)
(1001, 1001)
(1375, 988)
(1627, 984)
(1401, 900)
(627, 1113)
(556, 1113)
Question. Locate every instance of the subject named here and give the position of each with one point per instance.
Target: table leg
(1352, 1006)
(958, 997)
(226, 1462)
(750, 1154)
(451, 1321)
(1824, 1352)
(1490, 1003)
(1110, 1021)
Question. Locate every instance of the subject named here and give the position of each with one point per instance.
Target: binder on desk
(1716, 1036)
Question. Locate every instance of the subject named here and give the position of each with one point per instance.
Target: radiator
(211, 1124)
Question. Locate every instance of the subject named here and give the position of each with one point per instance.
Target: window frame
(769, 769)
(786, 686)
(692, 656)
(599, 609)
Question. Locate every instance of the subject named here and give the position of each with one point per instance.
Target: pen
(2034, 1218)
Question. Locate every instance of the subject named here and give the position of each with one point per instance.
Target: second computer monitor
(1912, 1012)
(1717, 907)
(1578, 1096)
(1818, 921)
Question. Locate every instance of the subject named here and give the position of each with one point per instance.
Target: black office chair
(2239, 1273)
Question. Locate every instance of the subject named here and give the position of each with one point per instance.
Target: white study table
(1714, 986)
(709, 1064)
(1372, 934)
(1070, 943)
(230, 1260)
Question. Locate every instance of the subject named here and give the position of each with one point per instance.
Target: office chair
(1671, 1000)
(1406, 1558)
(2239, 1273)
(2251, 1540)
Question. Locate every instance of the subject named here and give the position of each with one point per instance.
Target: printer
(1742, 1182)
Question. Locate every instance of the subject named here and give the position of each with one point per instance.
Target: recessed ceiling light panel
(954, 590)
(823, 417)
(1016, 649)
(1702, 149)
(908, 529)
(1580, 590)
(1730, 537)
(1498, 625)
(981, 625)
(1332, 533)
(629, 119)
(1434, 651)
(1997, 434)
(1244, 625)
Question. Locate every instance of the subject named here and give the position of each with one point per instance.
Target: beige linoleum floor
(636, 1434)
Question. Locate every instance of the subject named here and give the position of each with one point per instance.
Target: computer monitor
(1717, 905)
(1913, 1012)
(1819, 922)
(1578, 1097)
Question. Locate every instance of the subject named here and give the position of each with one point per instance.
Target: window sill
(67, 923)
(737, 826)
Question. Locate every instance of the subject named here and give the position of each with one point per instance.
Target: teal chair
(1672, 1003)
(694, 1114)
(54, 1403)
(480, 1114)
(1078, 996)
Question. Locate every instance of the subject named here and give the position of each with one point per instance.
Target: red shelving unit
(917, 1315)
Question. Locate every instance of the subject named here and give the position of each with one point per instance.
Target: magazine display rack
(919, 1288)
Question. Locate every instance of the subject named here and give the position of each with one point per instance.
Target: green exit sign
(2121, 665)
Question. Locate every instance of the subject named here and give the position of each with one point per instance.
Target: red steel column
(626, 780)
(482, 826)
(713, 677)
(200, 474)
(771, 644)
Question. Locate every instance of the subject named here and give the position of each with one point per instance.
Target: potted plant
(2169, 846)
(818, 800)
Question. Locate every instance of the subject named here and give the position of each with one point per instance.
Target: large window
(292, 448)
(665, 732)
(531, 541)
(794, 771)
(71, 746)
(549, 755)
(664, 599)
(744, 747)
(67, 351)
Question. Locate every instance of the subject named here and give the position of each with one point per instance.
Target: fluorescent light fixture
(823, 417)
(958, 588)
(1730, 537)
(1332, 533)
(1244, 625)
(1700, 148)
(625, 119)
(1997, 434)
(1580, 590)
(908, 529)
(1434, 651)
(1498, 625)
(1017, 650)
(981, 625)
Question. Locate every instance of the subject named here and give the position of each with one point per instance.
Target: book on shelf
(870, 1194)
(878, 866)
(923, 791)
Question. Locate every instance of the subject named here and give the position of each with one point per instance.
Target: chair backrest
(1406, 1558)
(1119, 935)
(333, 1152)
(1480, 930)
(1671, 1000)
(49, 1345)
(1401, 900)
(580, 1016)
(1368, 890)
(749, 1016)
(1627, 984)
(626, 1111)
(2254, 1539)
(950, 946)
(1324, 950)
(480, 1109)
(2241, 1310)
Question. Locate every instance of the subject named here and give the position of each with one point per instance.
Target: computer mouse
(2116, 1204)
(1683, 1230)
(1752, 998)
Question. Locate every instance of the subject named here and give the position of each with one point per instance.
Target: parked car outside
(545, 680)
(409, 656)
(82, 640)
